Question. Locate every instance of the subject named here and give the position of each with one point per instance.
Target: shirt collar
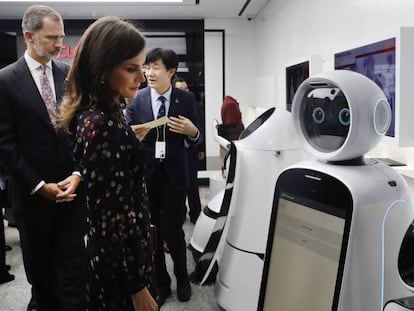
(34, 64)
(155, 94)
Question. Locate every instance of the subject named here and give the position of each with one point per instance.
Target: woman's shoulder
(94, 119)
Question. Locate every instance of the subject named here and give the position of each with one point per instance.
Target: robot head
(340, 115)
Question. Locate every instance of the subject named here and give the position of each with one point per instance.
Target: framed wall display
(377, 62)
(295, 75)
(388, 62)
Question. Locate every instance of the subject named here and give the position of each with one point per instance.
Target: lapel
(24, 82)
(58, 75)
(174, 104)
(147, 104)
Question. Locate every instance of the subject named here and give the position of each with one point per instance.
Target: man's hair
(179, 79)
(168, 57)
(34, 15)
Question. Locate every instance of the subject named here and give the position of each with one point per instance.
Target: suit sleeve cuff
(195, 138)
(38, 186)
(77, 173)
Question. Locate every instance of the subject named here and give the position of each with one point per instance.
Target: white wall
(239, 69)
(213, 69)
(290, 30)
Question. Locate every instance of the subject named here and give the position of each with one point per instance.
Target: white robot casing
(209, 219)
(340, 116)
(267, 146)
(369, 114)
(380, 208)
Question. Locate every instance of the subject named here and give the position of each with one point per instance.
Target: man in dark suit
(167, 179)
(38, 161)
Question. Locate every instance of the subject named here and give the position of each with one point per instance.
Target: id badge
(160, 149)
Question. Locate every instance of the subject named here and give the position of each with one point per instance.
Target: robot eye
(318, 115)
(344, 117)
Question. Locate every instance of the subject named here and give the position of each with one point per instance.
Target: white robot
(340, 234)
(209, 226)
(267, 146)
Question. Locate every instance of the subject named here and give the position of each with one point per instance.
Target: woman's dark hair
(106, 43)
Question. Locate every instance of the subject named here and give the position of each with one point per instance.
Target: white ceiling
(190, 9)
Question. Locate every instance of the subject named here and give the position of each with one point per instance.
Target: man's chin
(53, 55)
(48, 57)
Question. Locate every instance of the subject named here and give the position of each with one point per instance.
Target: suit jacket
(181, 103)
(30, 148)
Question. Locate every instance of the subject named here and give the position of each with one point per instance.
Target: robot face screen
(325, 118)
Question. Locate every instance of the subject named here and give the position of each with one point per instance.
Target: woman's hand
(143, 301)
(141, 132)
(68, 187)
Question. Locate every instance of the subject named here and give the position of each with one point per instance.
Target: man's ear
(28, 36)
(171, 72)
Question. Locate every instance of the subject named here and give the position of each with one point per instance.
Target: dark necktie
(161, 113)
(47, 94)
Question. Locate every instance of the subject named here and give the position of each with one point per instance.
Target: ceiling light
(114, 2)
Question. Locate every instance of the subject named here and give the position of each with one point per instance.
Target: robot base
(238, 289)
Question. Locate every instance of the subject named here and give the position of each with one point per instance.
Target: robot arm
(219, 139)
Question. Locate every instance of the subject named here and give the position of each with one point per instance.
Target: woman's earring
(102, 81)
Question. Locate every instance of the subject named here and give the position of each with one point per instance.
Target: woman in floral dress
(107, 69)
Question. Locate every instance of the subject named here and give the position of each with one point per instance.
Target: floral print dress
(118, 241)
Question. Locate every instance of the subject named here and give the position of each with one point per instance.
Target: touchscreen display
(305, 256)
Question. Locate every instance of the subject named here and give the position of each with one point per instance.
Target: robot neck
(351, 162)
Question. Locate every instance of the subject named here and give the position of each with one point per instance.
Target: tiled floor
(15, 295)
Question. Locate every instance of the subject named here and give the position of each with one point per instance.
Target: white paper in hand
(152, 124)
